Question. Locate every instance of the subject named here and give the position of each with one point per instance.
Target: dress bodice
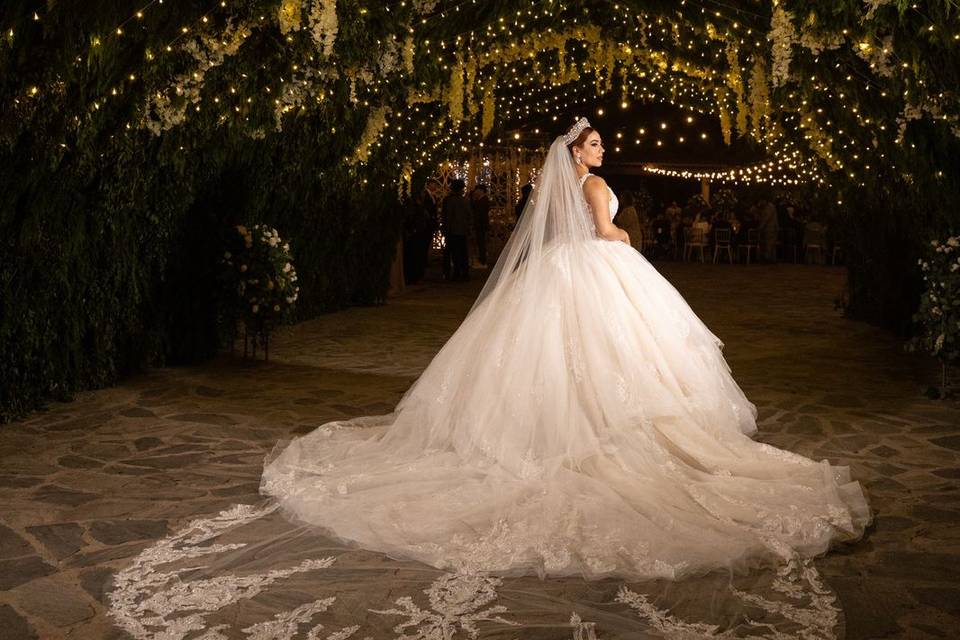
(614, 202)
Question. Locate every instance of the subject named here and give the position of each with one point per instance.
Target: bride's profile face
(591, 151)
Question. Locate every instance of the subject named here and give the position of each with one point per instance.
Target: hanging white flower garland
(489, 108)
(455, 90)
(376, 121)
(408, 54)
(324, 26)
(759, 99)
(168, 108)
(290, 15)
(783, 36)
(735, 83)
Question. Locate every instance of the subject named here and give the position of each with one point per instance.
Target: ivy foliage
(111, 236)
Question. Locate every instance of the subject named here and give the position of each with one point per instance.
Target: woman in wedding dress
(581, 421)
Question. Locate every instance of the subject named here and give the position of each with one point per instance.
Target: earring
(579, 160)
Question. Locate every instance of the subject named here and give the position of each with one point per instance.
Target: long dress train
(580, 421)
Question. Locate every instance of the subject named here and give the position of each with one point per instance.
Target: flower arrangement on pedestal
(261, 283)
(938, 317)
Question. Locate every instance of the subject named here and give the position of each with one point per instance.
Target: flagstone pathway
(86, 485)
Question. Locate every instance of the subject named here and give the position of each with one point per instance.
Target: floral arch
(132, 116)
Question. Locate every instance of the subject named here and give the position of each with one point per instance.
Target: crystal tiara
(574, 131)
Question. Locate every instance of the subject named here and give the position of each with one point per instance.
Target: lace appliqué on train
(455, 604)
(171, 591)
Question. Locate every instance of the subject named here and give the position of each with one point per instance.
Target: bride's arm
(597, 195)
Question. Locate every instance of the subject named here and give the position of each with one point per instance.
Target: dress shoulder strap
(584, 177)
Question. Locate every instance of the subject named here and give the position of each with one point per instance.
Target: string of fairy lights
(774, 172)
(687, 47)
(559, 106)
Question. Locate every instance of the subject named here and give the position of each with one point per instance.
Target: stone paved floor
(87, 485)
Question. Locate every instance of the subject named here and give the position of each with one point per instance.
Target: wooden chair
(721, 242)
(813, 242)
(648, 242)
(694, 238)
(751, 245)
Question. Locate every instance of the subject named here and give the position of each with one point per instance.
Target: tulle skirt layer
(582, 422)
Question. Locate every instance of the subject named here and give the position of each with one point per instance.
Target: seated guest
(663, 241)
(749, 222)
(701, 222)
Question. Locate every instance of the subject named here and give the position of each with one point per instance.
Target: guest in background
(675, 215)
(663, 240)
(480, 204)
(792, 232)
(769, 230)
(417, 235)
(814, 235)
(748, 221)
(456, 219)
(702, 220)
(674, 211)
(628, 220)
(524, 195)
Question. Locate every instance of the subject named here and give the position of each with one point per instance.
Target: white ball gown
(580, 421)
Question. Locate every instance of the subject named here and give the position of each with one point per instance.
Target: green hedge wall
(109, 263)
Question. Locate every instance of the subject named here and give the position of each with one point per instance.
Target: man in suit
(769, 229)
(457, 218)
(480, 204)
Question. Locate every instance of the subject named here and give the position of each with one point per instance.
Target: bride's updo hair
(580, 139)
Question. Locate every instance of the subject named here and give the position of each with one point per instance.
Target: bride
(581, 421)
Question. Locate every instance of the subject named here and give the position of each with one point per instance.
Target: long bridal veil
(555, 214)
(577, 457)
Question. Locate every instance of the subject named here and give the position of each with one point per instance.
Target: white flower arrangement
(376, 121)
(259, 270)
(489, 108)
(324, 25)
(928, 107)
(726, 124)
(878, 57)
(734, 82)
(783, 36)
(306, 85)
(455, 90)
(470, 90)
(389, 57)
(408, 54)
(759, 99)
(814, 39)
(938, 315)
(290, 15)
(168, 108)
(425, 6)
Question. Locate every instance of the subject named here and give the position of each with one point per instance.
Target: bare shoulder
(594, 184)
